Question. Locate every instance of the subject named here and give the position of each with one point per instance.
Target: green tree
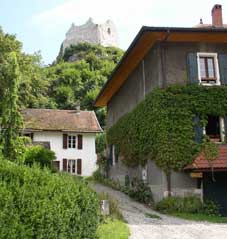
(33, 85)
(40, 155)
(79, 73)
(11, 120)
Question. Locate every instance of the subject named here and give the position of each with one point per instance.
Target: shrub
(36, 203)
(40, 155)
(211, 208)
(141, 192)
(189, 204)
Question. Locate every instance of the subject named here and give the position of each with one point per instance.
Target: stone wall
(104, 34)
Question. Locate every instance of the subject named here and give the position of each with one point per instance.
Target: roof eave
(167, 30)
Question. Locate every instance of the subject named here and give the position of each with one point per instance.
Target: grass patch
(155, 216)
(200, 217)
(113, 229)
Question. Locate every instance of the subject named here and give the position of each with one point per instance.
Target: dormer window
(208, 69)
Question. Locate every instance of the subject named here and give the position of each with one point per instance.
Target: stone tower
(104, 34)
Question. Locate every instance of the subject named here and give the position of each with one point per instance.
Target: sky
(41, 24)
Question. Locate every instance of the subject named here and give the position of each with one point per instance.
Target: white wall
(87, 154)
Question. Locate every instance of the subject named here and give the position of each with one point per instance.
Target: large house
(69, 133)
(163, 56)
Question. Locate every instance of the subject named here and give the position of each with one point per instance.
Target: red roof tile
(201, 163)
(60, 120)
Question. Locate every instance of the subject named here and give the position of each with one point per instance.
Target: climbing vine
(164, 126)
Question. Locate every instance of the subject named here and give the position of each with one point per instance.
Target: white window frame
(75, 160)
(222, 130)
(70, 138)
(215, 56)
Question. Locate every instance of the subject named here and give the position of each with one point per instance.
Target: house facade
(160, 57)
(69, 133)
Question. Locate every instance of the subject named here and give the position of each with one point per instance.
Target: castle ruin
(104, 34)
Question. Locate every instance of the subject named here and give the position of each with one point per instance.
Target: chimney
(217, 16)
(77, 107)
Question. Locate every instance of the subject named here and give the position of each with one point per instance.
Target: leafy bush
(36, 203)
(210, 208)
(141, 192)
(40, 155)
(189, 204)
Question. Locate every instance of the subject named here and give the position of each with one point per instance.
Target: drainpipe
(144, 80)
(163, 70)
(163, 62)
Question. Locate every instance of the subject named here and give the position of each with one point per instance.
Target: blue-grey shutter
(222, 59)
(198, 130)
(192, 68)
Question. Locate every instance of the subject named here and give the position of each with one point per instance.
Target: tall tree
(11, 119)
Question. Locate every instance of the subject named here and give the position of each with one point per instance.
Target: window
(29, 135)
(215, 128)
(71, 166)
(72, 141)
(109, 31)
(208, 69)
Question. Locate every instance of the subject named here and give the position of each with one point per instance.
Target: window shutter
(79, 166)
(65, 137)
(222, 59)
(64, 164)
(80, 141)
(192, 68)
(56, 165)
(198, 130)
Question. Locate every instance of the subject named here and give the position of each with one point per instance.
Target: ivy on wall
(167, 126)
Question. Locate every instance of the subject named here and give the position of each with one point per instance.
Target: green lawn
(200, 217)
(113, 229)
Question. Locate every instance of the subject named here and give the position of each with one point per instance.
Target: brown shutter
(64, 164)
(65, 137)
(56, 165)
(80, 141)
(79, 166)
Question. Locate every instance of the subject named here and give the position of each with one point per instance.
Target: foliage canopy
(40, 155)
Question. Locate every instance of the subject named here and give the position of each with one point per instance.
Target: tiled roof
(201, 163)
(60, 120)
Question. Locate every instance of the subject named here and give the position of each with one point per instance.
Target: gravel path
(167, 227)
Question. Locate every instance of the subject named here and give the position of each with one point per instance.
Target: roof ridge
(56, 109)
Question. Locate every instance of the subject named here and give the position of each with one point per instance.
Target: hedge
(35, 203)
